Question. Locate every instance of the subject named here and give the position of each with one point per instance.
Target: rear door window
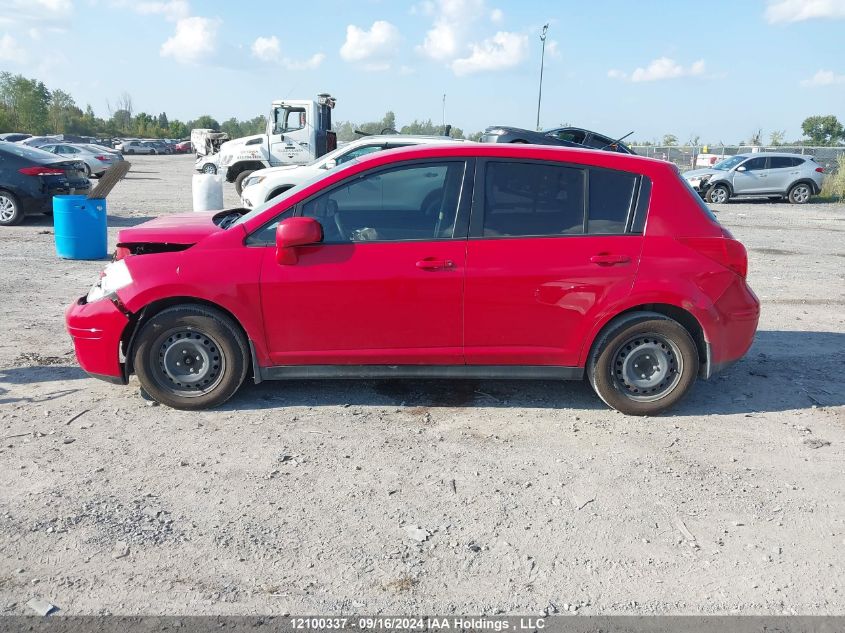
(755, 164)
(780, 162)
(611, 198)
(533, 199)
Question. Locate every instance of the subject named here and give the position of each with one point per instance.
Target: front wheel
(191, 357)
(644, 365)
(239, 180)
(209, 169)
(718, 194)
(800, 193)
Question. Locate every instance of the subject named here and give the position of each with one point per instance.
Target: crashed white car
(264, 184)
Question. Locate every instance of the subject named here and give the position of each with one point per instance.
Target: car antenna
(617, 141)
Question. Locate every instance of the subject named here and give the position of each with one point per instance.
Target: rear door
(550, 246)
(782, 171)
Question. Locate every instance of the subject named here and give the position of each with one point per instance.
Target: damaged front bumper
(97, 329)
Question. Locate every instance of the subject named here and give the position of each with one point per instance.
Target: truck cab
(298, 132)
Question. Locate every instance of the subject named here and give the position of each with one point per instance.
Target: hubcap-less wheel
(7, 208)
(647, 367)
(190, 363)
(800, 194)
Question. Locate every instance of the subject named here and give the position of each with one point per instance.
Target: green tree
(26, 102)
(122, 121)
(205, 121)
(62, 108)
(163, 123)
(670, 140)
(822, 130)
(776, 137)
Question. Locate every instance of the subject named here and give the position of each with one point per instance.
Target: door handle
(429, 263)
(606, 259)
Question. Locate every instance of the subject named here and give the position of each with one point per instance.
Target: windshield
(729, 163)
(291, 192)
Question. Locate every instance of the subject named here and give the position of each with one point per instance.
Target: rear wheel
(239, 180)
(191, 357)
(644, 365)
(800, 193)
(718, 194)
(208, 168)
(10, 209)
(86, 170)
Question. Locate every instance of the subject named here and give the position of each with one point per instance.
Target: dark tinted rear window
(611, 197)
(533, 199)
(780, 162)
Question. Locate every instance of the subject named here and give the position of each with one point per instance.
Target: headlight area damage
(99, 323)
(701, 183)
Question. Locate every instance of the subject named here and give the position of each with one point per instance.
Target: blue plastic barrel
(80, 227)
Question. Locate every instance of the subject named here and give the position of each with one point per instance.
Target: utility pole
(542, 59)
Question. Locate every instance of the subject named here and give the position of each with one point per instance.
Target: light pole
(542, 59)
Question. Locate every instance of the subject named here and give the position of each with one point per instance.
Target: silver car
(96, 160)
(775, 175)
(135, 147)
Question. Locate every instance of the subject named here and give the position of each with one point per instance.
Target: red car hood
(183, 228)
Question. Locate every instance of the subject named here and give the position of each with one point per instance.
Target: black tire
(131, 151)
(718, 194)
(11, 212)
(239, 180)
(520, 141)
(209, 168)
(800, 193)
(633, 340)
(208, 339)
(86, 170)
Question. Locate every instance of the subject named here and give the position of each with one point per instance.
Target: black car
(30, 177)
(565, 136)
(14, 137)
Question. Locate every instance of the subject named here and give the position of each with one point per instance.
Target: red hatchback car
(470, 261)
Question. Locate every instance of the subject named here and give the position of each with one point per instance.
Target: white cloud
(824, 78)
(496, 15)
(503, 50)
(553, 48)
(172, 10)
(44, 13)
(10, 50)
(304, 64)
(372, 48)
(267, 49)
(446, 39)
(194, 39)
(779, 11)
(660, 69)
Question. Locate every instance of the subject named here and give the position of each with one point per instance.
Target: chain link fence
(684, 156)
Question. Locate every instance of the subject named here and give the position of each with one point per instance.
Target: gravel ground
(439, 497)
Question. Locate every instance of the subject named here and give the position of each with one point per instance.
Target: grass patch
(833, 187)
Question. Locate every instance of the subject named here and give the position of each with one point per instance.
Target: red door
(531, 301)
(385, 286)
(530, 298)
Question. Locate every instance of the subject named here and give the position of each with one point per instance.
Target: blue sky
(719, 69)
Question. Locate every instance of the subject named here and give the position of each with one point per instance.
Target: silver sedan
(97, 159)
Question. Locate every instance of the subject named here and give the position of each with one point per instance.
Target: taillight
(725, 251)
(103, 159)
(820, 170)
(41, 171)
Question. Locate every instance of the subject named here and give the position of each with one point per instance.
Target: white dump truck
(297, 133)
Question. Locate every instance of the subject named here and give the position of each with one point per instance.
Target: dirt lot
(301, 497)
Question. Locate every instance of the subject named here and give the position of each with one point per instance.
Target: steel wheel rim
(801, 193)
(188, 363)
(209, 169)
(7, 209)
(647, 367)
(719, 195)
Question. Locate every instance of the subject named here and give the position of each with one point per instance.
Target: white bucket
(208, 192)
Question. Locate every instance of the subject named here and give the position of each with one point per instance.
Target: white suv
(264, 184)
(795, 177)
